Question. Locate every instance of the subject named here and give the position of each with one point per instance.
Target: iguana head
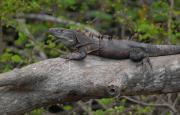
(66, 36)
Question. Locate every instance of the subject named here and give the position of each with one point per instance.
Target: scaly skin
(83, 44)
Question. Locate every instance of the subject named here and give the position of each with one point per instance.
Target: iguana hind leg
(140, 55)
(137, 54)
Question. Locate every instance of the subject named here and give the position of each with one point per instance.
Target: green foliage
(9, 60)
(36, 112)
(22, 39)
(111, 17)
(168, 113)
(119, 109)
(110, 111)
(67, 107)
(99, 112)
(159, 11)
(101, 15)
(142, 110)
(16, 59)
(5, 57)
(10, 57)
(146, 30)
(105, 101)
(68, 3)
(9, 8)
(50, 44)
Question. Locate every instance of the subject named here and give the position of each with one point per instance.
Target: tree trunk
(58, 80)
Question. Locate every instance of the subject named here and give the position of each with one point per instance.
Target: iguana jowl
(81, 45)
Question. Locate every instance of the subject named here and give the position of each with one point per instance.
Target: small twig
(176, 100)
(169, 100)
(85, 107)
(147, 104)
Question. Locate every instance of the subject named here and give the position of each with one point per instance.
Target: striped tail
(161, 50)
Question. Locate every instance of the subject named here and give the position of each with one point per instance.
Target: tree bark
(58, 80)
(1, 38)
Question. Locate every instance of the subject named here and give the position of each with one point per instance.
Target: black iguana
(81, 45)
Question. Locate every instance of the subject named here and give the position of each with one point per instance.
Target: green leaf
(101, 15)
(22, 38)
(109, 111)
(5, 57)
(67, 107)
(37, 112)
(7, 67)
(106, 101)
(146, 29)
(16, 59)
(119, 108)
(51, 45)
(99, 112)
(159, 10)
(143, 110)
(68, 3)
(29, 45)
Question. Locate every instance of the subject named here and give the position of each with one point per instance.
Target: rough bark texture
(59, 80)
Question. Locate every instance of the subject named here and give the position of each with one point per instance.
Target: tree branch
(45, 17)
(149, 104)
(58, 80)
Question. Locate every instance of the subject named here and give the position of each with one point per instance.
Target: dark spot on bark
(113, 90)
(123, 90)
(73, 93)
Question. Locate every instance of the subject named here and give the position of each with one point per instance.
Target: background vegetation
(24, 40)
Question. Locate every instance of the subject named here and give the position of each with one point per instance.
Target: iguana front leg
(78, 55)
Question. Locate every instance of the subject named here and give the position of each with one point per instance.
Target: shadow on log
(58, 80)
